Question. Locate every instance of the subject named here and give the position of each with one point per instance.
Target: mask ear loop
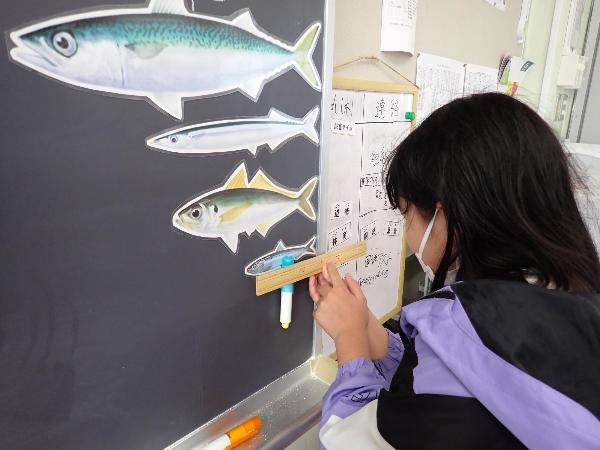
(427, 233)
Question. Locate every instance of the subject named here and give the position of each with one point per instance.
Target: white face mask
(450, 274)
(419, 254)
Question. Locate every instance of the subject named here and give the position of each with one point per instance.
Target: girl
(509, 356)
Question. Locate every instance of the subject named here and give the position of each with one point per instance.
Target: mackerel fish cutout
(240, 206)
(162, 53)
(274, 258)
(237, 134)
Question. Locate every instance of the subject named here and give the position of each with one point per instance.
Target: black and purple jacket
(479, 364)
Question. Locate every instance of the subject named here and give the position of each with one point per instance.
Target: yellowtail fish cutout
(240, 206)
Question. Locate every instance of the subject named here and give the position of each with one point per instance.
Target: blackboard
(116, 330)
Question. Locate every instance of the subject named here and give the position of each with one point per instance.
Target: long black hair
(506, 187)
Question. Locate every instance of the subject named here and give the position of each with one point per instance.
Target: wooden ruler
(275, 279)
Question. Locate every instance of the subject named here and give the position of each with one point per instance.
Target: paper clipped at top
(480, 79)
(398, 26)
(441, 80)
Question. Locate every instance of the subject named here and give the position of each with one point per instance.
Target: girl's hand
(376, 334)
(341, 310)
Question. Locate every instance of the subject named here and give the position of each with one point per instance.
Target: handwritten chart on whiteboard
(365, 128)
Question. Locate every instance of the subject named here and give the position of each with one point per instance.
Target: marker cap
(285, 311)
(409, 115)
(244, 432)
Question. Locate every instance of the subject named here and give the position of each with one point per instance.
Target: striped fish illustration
(162, 53)
(240, 206)
(273, 259)
(238, 134)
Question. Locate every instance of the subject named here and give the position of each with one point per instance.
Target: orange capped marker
(236, 436)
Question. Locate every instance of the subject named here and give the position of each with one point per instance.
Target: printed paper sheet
(480, 79)
(358, 205)
(398, 26)
(441, 80)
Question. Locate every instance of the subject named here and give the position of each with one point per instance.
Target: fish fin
(309, 125)
(169, 102)
(280, 246)
(275, 114)
(305, 206)
(275, 143)
(245, 21)
(168, 7)
(310, 246)
(263, 228)
(252, 87)
(262, 181)
(146, 50)
(235, 213)
(238, 179)
(231, 241)
(303, 50)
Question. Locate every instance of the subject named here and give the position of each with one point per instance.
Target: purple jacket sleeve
(360, 380)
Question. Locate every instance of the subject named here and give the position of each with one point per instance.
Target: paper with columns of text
(398, 26)
(357, 202)
(441, 80)
(479, 79)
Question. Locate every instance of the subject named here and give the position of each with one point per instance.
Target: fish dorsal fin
(168, 7)
(262, 181)
(280, 246)
(274, 114)
(263, 229)
(238, 179)
(245, 21)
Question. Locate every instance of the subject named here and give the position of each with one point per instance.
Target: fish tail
(309, 247)
(306, 192)
(309, 125)
(303, 52)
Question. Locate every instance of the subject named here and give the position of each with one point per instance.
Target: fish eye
(173, 138)
(215, 209)
(195, 213)
(64, 43)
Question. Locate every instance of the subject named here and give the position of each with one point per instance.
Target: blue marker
(285, 313)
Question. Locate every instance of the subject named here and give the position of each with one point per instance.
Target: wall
(587, 106)
(590, 132)
(550, 92)
(471, 31)
(536, 49)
